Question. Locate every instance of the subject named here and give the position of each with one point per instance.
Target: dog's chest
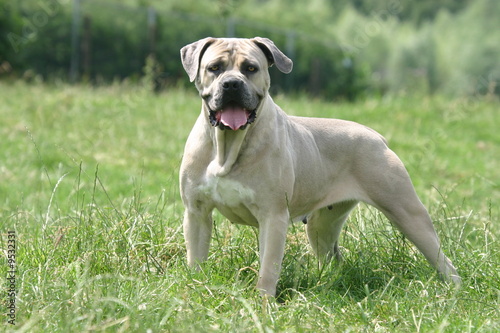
(227, 192)
(233, 199)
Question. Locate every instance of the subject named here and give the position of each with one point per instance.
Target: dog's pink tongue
(234, 117)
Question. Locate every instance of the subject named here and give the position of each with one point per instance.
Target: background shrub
(341, 49)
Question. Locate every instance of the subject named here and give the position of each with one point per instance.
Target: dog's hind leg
(411, 217)
(323, 229)
(390, 190)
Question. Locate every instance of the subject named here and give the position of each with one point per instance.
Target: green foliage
(89, 184)
(341, 50)
(10, 20)
(468, 49)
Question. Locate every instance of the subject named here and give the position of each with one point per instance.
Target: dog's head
(232, 77)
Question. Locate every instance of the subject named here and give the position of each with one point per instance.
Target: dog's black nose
(231, 85)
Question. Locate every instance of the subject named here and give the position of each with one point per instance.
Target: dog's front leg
(197, 233)
(272, 238)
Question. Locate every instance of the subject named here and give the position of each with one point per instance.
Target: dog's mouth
(233, 117)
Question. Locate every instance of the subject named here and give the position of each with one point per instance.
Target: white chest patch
(227, 192)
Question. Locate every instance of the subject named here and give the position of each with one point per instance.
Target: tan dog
(261, 167)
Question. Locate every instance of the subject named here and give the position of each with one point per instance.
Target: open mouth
(232, 117)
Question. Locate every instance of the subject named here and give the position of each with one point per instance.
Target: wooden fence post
(86, 46)
(75, 42)
(152, 31)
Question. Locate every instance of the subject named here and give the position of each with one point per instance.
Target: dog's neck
(227, 146)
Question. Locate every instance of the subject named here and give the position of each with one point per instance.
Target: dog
(260, 167)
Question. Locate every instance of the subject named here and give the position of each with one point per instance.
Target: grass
(88, 182)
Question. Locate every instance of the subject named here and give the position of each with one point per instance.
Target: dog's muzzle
(234, 112)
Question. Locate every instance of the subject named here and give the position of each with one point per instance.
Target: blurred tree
(10, 25)
(364, 45)
(416, 12)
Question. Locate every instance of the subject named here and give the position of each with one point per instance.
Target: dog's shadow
(355, 278)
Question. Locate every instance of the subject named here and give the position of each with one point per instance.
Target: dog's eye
(252, 69)
(214, 68)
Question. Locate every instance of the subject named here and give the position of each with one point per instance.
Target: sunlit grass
(88, 181)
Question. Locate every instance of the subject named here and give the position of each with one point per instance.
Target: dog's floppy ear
(274, 55)
(191, 55)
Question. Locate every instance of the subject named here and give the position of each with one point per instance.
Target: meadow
(89, 188)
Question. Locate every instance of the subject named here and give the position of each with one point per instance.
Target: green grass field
(89, 188)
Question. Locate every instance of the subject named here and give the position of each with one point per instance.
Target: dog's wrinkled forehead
(233, 53)
(193, 54)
